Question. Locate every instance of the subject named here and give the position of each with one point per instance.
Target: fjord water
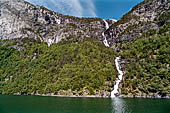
(38, 104)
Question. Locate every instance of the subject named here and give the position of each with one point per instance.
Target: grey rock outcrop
(20, 19)
(142, 18)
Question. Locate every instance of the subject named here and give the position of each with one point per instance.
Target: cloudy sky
(107, 9)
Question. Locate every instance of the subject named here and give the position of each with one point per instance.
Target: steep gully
(115, 91)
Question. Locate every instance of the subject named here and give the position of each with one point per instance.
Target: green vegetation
(148, 70)
(35, 68)
(165, 29)
(162, 30)
(84, 20)
(89, 20)
(130, 14)
(163, 18)
(72, 25)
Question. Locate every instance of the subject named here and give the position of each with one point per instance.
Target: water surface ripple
(38, 104)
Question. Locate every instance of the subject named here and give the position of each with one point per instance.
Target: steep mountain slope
(30, 66)
(20, 19)
(62, 69)
(69, 69)
(148, 67)
(75, 62)
(146, 16)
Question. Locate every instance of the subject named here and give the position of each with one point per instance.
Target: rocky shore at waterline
(144, 96)
(97, 96)
(69, 93)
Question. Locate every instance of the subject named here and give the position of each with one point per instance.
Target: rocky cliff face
(20, 19)
(147, 16)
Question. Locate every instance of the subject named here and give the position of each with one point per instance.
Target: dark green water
(37, 104)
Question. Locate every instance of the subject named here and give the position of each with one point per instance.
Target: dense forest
(29, 66)
(148, 67)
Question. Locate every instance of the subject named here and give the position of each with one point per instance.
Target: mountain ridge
(141, 19)
(44, 52)
(40, 23)
(47, 24)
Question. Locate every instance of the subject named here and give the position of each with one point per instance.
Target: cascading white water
(106, 24)
(105, 40)
(120, 72)
(50, 41)
(120, 77)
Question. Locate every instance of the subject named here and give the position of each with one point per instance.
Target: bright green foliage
(37, 68)
(148, 70)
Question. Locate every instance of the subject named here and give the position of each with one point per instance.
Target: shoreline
(145, 97)
(90, 96)
(46, 95)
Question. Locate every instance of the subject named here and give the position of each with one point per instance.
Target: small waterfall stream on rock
(115, 92)
(105, 40)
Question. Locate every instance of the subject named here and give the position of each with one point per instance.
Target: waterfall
(118, 67)
(50, 41)
(120, 77)
(105, 40)
(106, 24)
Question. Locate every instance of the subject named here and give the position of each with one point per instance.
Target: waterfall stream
(105, 40)
(115, 91)
(120, 77)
